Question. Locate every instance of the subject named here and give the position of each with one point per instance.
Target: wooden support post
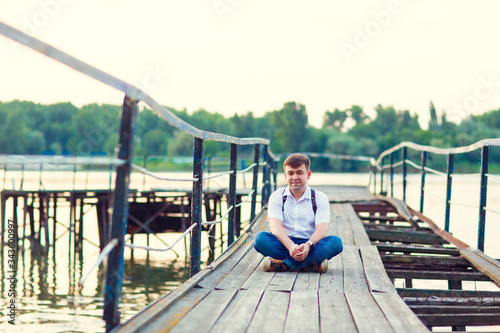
(405, 156)
(423, 162)
(374, 170)
(114, 274)
(448, 193)
(482, 198)
(255, 181)
(196, 206)
(391, 157)
(231, 199)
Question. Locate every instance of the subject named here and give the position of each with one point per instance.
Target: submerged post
(405, 156)
(114, 275)
(423, 160)
(255, 181)
(231, 199)
(482, 198)
(448, 193)
(196, 206)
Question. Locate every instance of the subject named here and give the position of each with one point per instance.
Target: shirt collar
(305, 195)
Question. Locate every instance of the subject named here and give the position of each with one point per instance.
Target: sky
(235, 56)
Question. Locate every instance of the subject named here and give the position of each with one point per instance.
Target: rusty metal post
(114, 275)
(265, 176)
(391, 158)
(423, 159)
(231, 199)
(255, 181)
(196, 206)
(482, 198)
(448, 193)
(405, 172)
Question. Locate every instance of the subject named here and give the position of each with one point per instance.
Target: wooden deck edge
(143, 317)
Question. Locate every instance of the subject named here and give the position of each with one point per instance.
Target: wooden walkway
(235, 295)
(356, 294)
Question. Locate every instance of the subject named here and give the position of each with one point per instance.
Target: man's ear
(309, 174)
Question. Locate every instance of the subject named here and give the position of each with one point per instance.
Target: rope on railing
(58, 160)
(133, 246)
(440, 151)
(465, 175)
(247, 198)
(435, 171)
(219, 220)
(463, 204)
(491, 211)
(104, 253)
(388, 166)
(149, 173)
(493, 176)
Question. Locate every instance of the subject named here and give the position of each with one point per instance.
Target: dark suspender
(313, 201)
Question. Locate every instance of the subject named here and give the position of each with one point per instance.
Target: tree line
(62, 128)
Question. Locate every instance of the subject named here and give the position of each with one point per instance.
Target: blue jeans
(269, 246)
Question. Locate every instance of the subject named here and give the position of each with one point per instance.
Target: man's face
(297, 178)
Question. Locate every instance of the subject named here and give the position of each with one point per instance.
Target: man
(299, 224)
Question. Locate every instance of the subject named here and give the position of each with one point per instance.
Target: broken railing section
(393, 154)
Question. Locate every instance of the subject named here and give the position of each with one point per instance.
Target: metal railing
(124, 166)
(401, 151)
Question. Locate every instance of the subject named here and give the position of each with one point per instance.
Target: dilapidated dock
(382, 241)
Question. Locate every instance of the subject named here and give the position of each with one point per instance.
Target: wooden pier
(382, 241)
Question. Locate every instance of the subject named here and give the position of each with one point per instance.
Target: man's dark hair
(296, 160)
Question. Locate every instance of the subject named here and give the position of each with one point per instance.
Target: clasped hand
(299, 252)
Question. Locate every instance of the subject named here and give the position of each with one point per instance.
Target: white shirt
(298, 215)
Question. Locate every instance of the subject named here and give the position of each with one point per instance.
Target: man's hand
(300, 252)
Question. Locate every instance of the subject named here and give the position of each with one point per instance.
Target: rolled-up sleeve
(323, 211)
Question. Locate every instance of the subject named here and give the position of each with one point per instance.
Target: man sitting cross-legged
(298, 217)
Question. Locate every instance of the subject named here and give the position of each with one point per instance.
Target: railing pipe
(374, 170)
(482, 198)
(391, 158)
(231, 200)
(255, 181)
(196, 206)
(449, 174)
(405, 171)
(114, 275)
(423, 162)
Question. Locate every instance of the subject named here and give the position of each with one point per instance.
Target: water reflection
(50, 300)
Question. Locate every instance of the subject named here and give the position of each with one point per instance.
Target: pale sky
(234, 56)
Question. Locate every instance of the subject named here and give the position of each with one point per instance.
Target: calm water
(49, 299)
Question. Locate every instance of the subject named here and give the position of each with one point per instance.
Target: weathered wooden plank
(302, 303)
(472, 319)
(207, 312)
(258, 279)
(399, 315)
(408, 249)
(446, 293)
(367, 315)
(405, 237)
(211, 281)
(283, 281)
(307, 281)
(344, 230)
(473, 301)
(354, 275)
(242, 271)
(334, 312)
(332, 281)
(483, 263)
(358, 230)
(167, 319)
(436, 275)
(238, 314)
(425, 261)
(452, 309)
(376, 276)
(271, 313)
